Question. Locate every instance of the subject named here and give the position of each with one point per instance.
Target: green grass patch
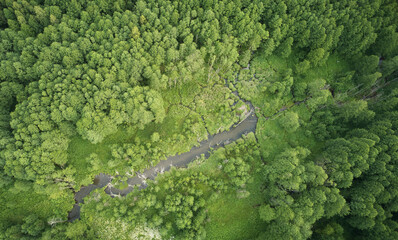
(235, 218)
(273, 139)
(334, 66)
(21, 203)
(79, 150)
(266, 83)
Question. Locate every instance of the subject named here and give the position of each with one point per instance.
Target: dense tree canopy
(90, 87)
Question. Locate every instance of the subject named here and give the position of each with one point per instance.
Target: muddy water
(182, 160)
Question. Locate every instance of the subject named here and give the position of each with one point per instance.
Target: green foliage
(285, 48)
(390, 66)
(289, 121)
(267, 213)
(116, 86)
(362, 162)
(32, 225)
(346, 160)
(366, 70)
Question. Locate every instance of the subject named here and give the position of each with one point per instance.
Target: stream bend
(181, 160)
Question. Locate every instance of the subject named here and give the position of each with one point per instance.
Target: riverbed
(181, 160)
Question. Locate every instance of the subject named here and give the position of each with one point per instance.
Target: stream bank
(181, 160)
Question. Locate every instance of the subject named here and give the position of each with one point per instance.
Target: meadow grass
(271, 69)
(23, 203)
(235, 218)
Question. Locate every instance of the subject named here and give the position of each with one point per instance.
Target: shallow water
(181, 160)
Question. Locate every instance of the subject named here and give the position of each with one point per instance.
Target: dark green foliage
(317, 28)
(32, 225)
(368, 156)
(348, 159)
(390, 67)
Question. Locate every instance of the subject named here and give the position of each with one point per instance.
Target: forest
(117, 87)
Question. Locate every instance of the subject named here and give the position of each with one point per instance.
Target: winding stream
(182, 160)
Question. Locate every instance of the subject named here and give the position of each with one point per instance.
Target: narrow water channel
(182, 160)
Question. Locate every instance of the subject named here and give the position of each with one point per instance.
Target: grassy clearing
(273, 139)
(19, 203)
(267, 86)
(333, 66)
(231, 217)
(79, 150)
(234, 218)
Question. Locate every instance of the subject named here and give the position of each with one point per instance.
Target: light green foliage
(319, 93)
(366, 67)
(76, 231)
(237, 170)
(155, 137)
(355, 111)
(237, 160)
(289, 121)
(316, 56)
(302, 67)
(290, 174)
(285, 48)
(331, 230)
(267, 213)
(216, 106)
